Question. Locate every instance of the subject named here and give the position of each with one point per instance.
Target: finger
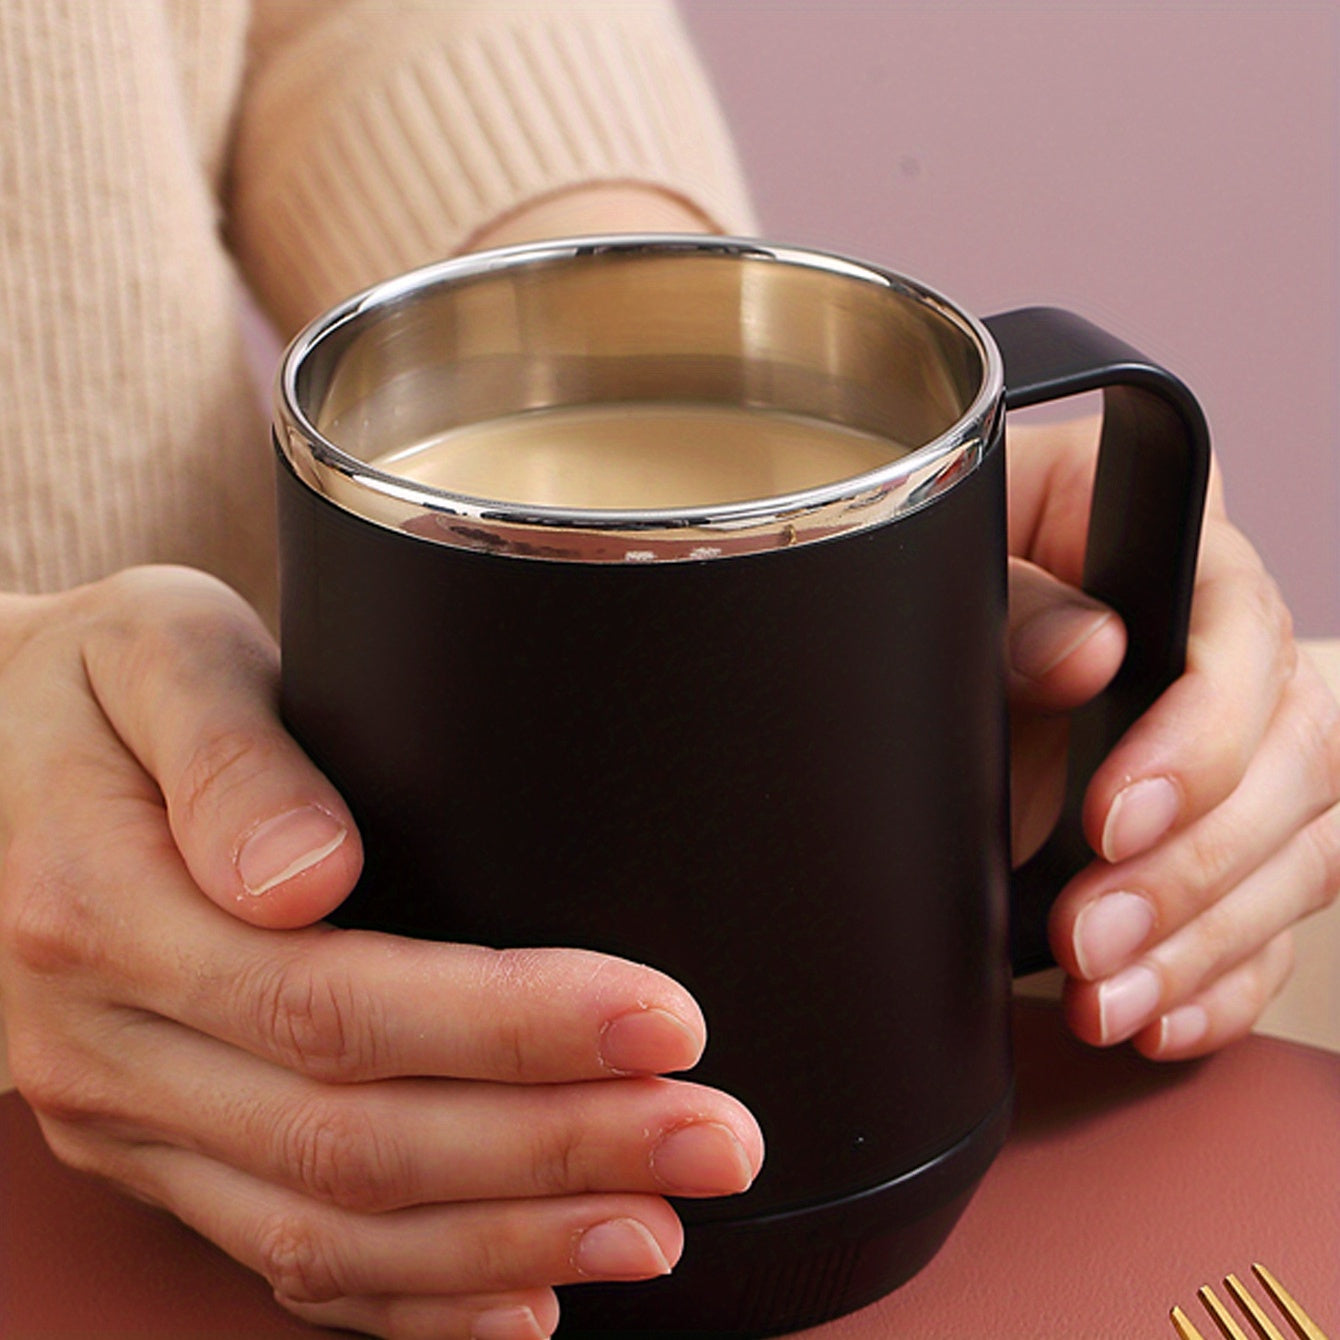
(1064, 646)
(528, 1315)
(1063, 649)
(335, 1005)
(1299, 879)
(316, 1253)
(357, 1005)
(1190, 750)
(1051, 471)
(383, 1146)
(49, 720)
(1108, 914)
(189, 1185)
(1038, 750)
(187, 678)
(331, 1004)
(1225, 1011)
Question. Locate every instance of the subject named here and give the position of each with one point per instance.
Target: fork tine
(1182, 1325)
(1220, 1313)
(1266, 1328)
(1298, 1319)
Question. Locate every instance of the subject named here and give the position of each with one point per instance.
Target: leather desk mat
(1124, 1187)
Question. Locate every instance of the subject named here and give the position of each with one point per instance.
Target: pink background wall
(1168, 169)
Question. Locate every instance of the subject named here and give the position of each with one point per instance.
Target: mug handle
(1148, 500)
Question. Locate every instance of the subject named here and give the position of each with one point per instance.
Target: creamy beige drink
(640, 456)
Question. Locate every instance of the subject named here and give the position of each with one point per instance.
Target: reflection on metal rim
(734, 319)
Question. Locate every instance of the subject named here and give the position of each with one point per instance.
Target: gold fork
(1303, 1325)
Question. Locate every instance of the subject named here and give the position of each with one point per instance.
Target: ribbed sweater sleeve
(368, 145)
(129, 429)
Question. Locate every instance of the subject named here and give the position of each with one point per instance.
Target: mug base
(777, 1273)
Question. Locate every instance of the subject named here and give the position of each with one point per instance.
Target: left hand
(1215, 818)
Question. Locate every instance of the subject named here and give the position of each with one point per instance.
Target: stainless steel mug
(761, 744)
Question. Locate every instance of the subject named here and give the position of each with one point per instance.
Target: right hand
(405, 1138)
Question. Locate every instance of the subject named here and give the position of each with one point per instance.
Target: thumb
(1064, 646)
(187, 676)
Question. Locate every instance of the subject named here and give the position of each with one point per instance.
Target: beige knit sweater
(157, 154)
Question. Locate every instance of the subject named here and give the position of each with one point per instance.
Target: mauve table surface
(1123, 1187)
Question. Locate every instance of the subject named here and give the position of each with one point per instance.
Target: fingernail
(619, 1249)
(1109, 931)
(286, 845)
(1183, 1028)
(1042, 642)
(507, 1323)
(648, 1042)
(702, 1159)
(1140, 815)
(1126, 1001)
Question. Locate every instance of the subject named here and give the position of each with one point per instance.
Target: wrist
(599, 207)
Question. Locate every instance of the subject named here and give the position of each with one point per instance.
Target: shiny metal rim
(903, 486)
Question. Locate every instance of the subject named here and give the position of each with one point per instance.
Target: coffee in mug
(640, 456)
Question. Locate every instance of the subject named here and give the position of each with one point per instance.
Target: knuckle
(55, 1084)
(1282, 955)
(1251, 580)
(313, 1018)
(1264, 975)
(1219, 950)
(492, 1259)
(512, 1050)
(515, 1037)
(517, 968)
(1264, 605)
(340, 1155)
(1275, 617)
(74, 1146)
(1318, 734)
(131, 588)
(1214, 848)
(188, 605)
(224, 761)
(109, 1155)
(158, 619)
(558, 1166)
(1322, 837)
(1279, 964)
(44, 920)
(1210, 945)
(69, 1146)
(1223, 748)
(298, 1259)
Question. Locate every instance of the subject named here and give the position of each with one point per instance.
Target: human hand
(404, 1138)
(1215, 817)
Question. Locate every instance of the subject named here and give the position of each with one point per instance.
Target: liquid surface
(640, 456)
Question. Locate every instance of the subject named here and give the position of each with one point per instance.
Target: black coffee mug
(760, 744)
